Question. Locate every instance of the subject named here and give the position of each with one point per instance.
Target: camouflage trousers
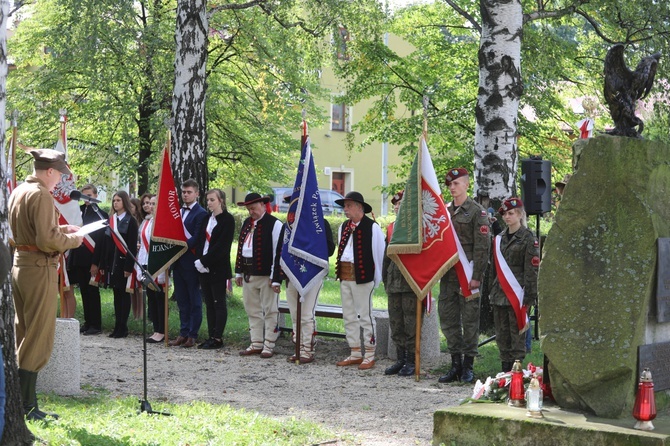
(459, 319)
(511, 344)
(402, 320)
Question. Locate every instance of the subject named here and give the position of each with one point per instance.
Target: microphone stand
(147, 281)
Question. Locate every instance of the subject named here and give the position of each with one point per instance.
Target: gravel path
(375, 409)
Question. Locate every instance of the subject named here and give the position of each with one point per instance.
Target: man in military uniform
(401, 306)
(38, 242)
(459, 315)
(256, 250)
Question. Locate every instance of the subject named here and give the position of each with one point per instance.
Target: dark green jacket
(472, 227)
(522, 255)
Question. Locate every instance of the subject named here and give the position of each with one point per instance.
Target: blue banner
(304, 255)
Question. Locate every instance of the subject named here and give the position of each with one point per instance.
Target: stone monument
(597, 277)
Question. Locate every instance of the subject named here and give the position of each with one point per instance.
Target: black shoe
(92, 332)
(84, 328)
(211, 344)
(456, 369)
(395, 368)
(408, 370)
(153, 341)
(112, 334)
(121, 334)
(467, 375)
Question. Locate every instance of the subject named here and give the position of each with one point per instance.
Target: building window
(341, 43)
(338, 117)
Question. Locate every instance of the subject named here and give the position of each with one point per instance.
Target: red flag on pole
(168, 239)
(422, 244)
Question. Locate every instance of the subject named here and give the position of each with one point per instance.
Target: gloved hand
(200, 267)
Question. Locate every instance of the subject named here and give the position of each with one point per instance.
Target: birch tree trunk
(16, 432)
(189, 147)
(500, 88)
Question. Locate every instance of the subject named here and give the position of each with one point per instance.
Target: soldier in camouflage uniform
(520, 250)
(402, 308)
(459, 316)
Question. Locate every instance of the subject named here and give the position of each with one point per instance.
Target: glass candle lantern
(516, 393)
(534, 398)
(644, 409)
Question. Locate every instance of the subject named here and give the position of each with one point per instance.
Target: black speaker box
(536, 185)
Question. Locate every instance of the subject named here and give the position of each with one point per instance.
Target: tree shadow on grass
(86, 438)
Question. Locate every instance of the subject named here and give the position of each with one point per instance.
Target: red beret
(510, 203)
(455, 173)
(397, 197)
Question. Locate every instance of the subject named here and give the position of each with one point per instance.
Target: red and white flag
(70, 214)
(423, 244)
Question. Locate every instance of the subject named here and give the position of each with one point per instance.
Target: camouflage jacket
(523, 257)
(472, 227)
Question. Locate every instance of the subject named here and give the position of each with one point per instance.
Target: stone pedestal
(62, 375)
(381, 332)
(430, 339)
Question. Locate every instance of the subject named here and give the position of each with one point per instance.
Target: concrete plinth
(499, 424)
(62, 374)
(430, 339)
(381, 332)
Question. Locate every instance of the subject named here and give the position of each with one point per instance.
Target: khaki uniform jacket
(33, 218)
(472, 227)
(522, 254)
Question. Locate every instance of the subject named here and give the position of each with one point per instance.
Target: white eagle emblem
(431, 222)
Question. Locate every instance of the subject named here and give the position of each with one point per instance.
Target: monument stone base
(62, 375)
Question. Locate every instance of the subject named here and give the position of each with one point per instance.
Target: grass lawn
(103, 421)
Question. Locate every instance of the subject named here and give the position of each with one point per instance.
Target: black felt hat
(358, 198)
(253, 198)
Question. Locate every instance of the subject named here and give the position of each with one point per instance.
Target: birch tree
(16, 432)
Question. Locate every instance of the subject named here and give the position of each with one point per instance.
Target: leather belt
(33, 248)
(247, 263)
(346, 271)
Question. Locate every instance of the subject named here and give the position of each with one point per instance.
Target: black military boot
(456, 368)
(28, 381)
(395, 368)
(468, 376)
(409, 368)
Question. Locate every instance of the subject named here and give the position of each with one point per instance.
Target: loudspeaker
(536, 185)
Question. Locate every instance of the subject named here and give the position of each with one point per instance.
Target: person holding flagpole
(459, 299)
(401, 306)
(360, 257)
(213, 263)
(114, 263)
(256, 250)
(186, 278)
(514, 290)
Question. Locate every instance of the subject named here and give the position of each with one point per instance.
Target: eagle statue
(624, 87)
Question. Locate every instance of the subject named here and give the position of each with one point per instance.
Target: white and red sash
(510, 286)
(211, 224)
(118, 241)
(89, 242)
(463, 267)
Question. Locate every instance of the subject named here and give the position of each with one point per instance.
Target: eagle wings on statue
(624, 87)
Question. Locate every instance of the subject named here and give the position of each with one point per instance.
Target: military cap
(50, 159)
(397, 198)
(455, 173)
(510, 203)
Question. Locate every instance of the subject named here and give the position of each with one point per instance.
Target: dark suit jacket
(110, 259)
(217, 258)
(193, 223)
(82, 256)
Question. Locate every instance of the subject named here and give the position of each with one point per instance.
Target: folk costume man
(459, 300)
(516, 257)
(254, 267)
(186, 277)
(308, 300)
(80, 262)
(401, 306)
(360, 256)
(38, 241)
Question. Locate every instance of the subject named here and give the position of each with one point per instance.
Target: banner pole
(417, 353)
